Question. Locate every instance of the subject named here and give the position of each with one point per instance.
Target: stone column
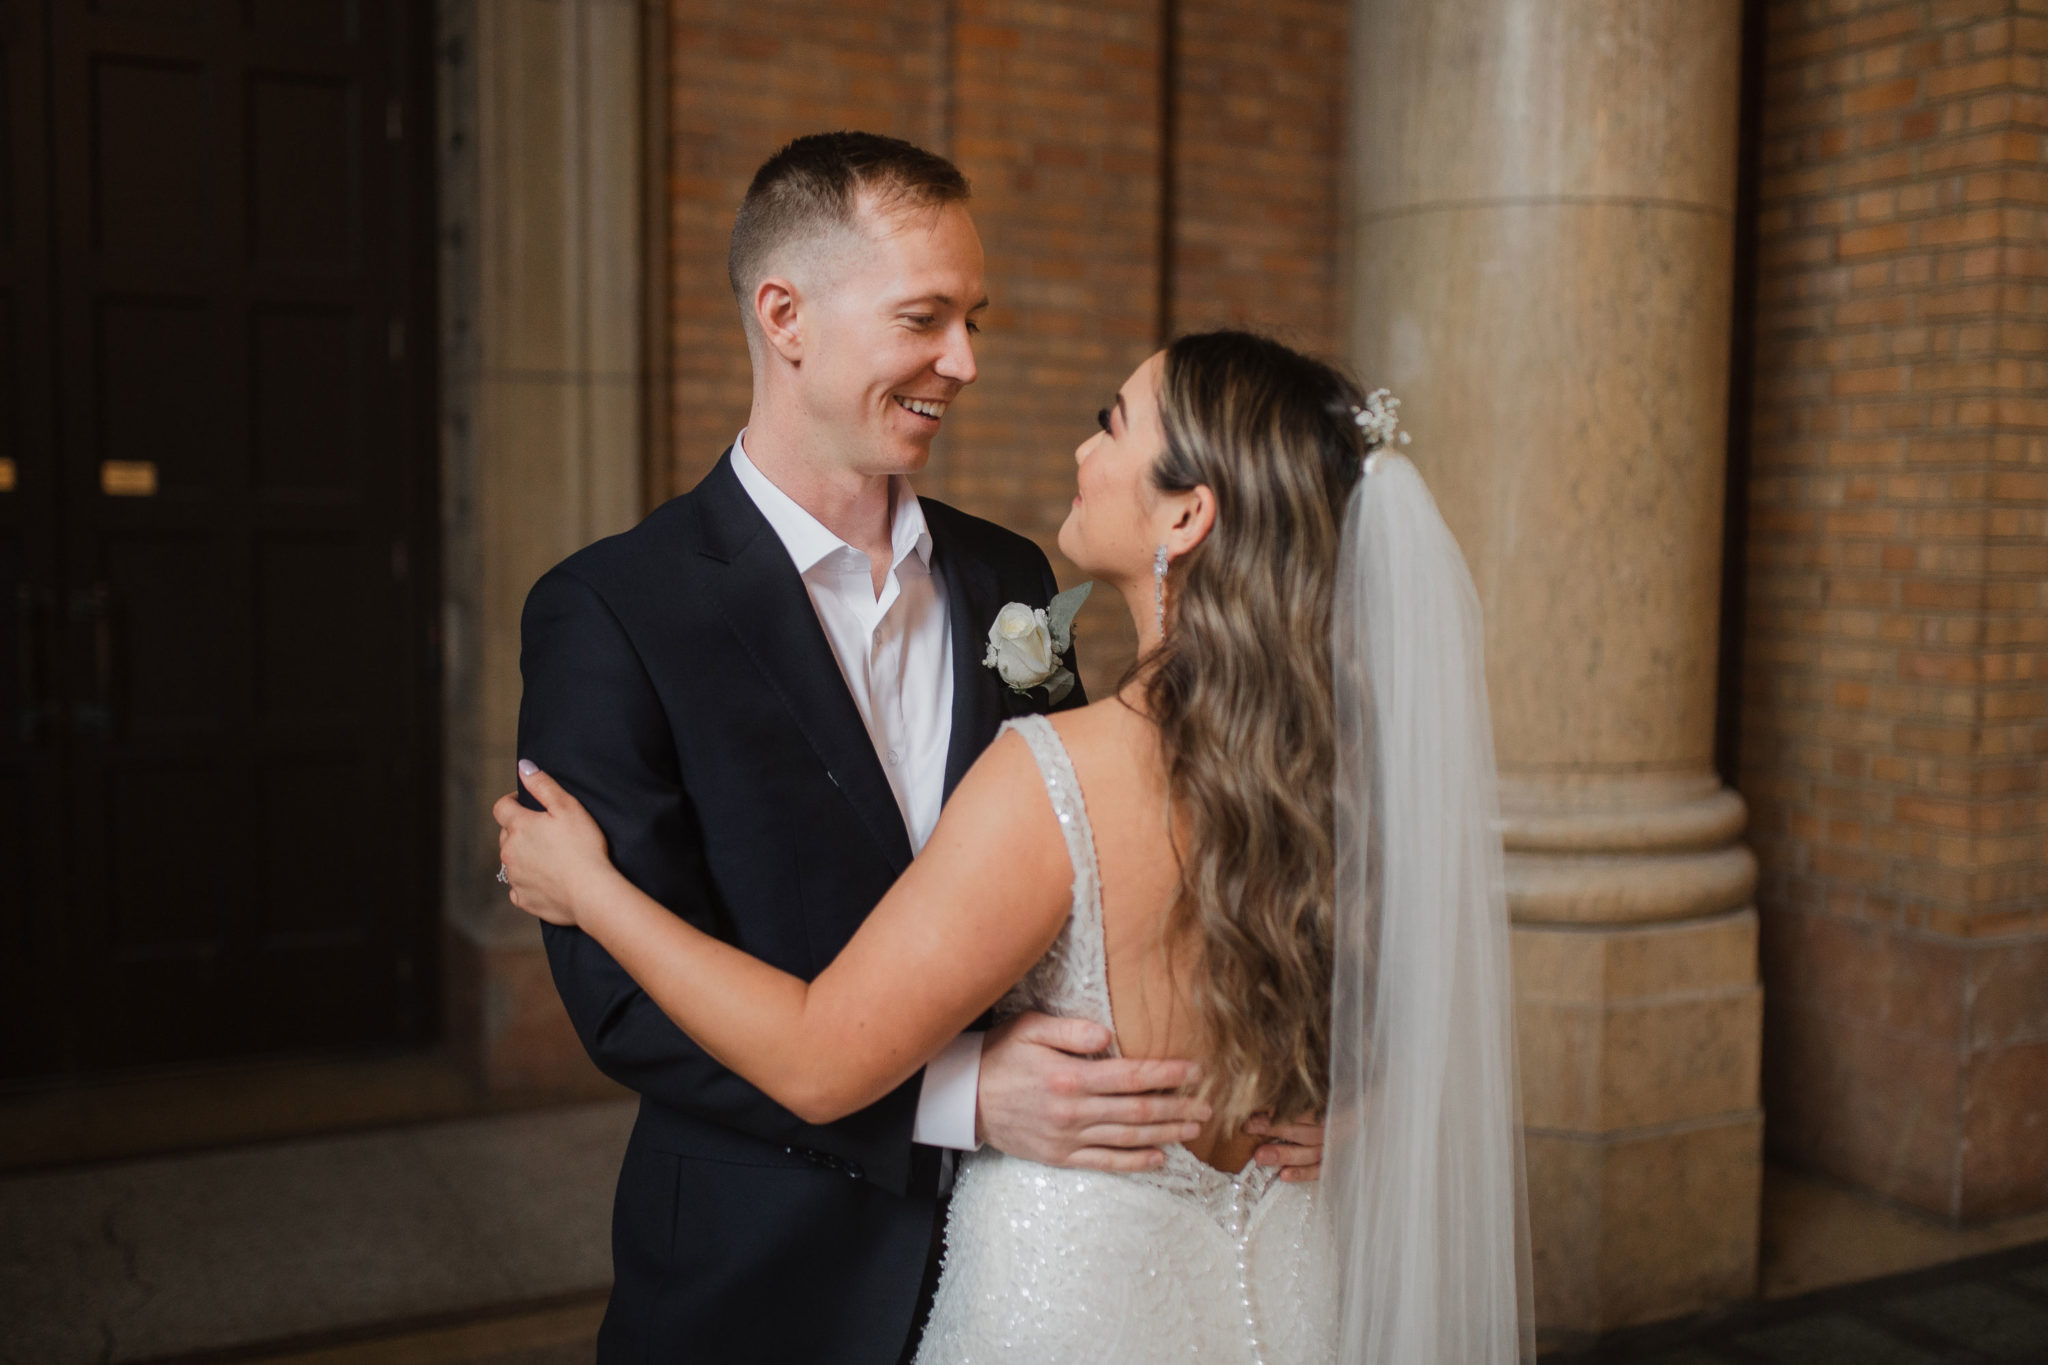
(1541, 247)
(542, 451)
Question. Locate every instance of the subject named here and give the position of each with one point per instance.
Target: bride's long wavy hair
(1240, 687)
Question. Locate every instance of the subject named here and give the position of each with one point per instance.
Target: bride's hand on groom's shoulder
(1046, 1096)
(547, 855)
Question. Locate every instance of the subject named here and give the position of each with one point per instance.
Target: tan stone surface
(1490, 99)
(1631, 1029)
(2009, 993)
(2005, 1133)
(1910, 984)
(1618, 812)
(1912, 1064)
(527, 172)
(1645, 1225)
(1592, 889)
(1867, 1104)
(1566, 1215)
(1642, 963)
(1596, 1071)
(1817, 1233)
(1681, 1209)
(1563, 369)
(1541, 251)
(505, 1021)
(543, 442)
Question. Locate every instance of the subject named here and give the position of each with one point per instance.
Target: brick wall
(1258, 138)
(1895, 708)
(744, 79)
(1104, 220)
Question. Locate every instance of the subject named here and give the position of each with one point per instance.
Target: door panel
(238, 471)
(305, 366)
(33, 850)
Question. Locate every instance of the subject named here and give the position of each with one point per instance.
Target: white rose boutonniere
(1027, 646)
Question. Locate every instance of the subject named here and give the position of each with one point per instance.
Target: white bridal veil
(1423, 1169)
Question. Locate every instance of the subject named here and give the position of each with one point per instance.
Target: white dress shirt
(894, 649)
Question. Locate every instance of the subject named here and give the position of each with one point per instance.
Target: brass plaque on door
(128, 478)
(6, 476)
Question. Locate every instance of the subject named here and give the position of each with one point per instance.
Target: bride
(1273, 850)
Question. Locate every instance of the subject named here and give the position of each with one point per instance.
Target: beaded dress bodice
(1184, 1263)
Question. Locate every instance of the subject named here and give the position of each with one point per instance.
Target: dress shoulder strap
(1064, 790)
(1079, 959)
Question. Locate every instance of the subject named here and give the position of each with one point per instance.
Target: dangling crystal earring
(1159, 587)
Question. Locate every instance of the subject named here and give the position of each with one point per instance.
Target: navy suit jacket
(677, 680)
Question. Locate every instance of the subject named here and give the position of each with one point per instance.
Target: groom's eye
(1102, 418)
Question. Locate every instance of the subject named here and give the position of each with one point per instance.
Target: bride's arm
(981, 904)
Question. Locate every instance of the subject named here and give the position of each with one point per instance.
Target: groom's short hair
(814, 186)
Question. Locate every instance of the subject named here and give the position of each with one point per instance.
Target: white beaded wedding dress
(1050, 1266)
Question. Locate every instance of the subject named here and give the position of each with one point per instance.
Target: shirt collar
(807, 539)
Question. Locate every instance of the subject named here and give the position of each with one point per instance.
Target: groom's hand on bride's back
(1047, 1095)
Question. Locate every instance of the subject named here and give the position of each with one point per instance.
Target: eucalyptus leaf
(1059, 617)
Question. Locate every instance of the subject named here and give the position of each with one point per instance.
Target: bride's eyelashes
(1102, 418)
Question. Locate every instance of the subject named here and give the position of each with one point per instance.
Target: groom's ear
(778, 313)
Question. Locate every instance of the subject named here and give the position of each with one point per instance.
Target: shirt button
(894, 758)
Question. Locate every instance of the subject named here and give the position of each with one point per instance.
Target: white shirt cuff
(945, 1105)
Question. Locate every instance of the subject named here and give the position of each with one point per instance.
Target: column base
(1644, 1225)
(1639, 1048)
(505, 1022)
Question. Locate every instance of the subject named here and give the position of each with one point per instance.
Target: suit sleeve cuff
(945, 1104)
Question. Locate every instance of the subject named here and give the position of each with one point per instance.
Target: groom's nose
(957, 362)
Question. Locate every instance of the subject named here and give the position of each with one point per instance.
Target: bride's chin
(1070, 546)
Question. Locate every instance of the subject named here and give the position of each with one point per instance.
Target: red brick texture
(1895, 706)
(1259, 127)
(1106, 222)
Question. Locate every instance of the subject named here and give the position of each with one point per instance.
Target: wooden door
(238, 586)
(32, 847)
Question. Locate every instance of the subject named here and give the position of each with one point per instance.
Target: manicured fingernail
(1255, 1125)
(1190, 1130)
(527, 767)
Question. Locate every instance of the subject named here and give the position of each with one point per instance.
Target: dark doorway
(217, 531)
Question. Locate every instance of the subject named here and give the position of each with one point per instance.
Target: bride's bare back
(1116, 757)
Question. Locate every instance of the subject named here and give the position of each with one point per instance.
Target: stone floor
(481, 1240)
(1988, 1310)
(178, 1256)
(211, 1108)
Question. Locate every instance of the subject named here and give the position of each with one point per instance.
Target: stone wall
(541, 443)
(1895, 713)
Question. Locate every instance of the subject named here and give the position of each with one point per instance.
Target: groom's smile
(930, 408)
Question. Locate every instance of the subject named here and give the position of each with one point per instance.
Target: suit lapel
(971, 603)
(764, 601)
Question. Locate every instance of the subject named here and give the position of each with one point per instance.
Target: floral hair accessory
(1379, 420)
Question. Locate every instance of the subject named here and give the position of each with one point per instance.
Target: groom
(763, 693)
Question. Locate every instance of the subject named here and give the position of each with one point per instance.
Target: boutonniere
(1027, 646)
